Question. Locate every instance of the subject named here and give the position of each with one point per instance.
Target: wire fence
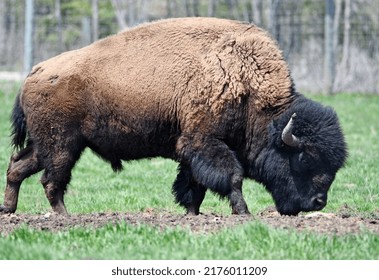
(297, 25)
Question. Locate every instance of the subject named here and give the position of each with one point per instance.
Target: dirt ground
(324, 223)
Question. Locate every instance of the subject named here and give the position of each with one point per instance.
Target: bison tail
(19, 129)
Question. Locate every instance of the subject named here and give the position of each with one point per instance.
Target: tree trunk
(245, 10)
(168, 9)
(233, 11)
(86, 31)
(11, 41)
(120, 14)
(196, 10)
(144, 8)
(329, 61)
(336, 23)
(58, 16)
(346, 35)
(273, 20)
(95, 20)
(187, 8)
(256, 7)
(131, 9)
(2, 33)
(211, 8)
(28, 38)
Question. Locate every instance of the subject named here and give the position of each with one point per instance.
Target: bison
(214, 95)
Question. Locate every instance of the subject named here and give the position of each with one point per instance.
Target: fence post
(329, 54)
(28, 38)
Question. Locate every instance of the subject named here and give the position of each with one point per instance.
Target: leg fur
(188, 193)
(216, 167)
(22, 165)
(58, 163)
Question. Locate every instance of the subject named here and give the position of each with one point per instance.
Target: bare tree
(329, 60)
(131, 9)
(120, 13)
(168, 8)
(95, 19)
(211, 8)
(86, 30)
(171, 8)
(292, 28)
(192, 8)
(196, 8)
(131, 12)
(11, 34)
(232, 8)
(187, 7)
(273, 25)
(336, 23)
(28, 38)
(2, 33)
(245, 10)
(143, 8)
(58, 16)
(256, 11)
(346, 35)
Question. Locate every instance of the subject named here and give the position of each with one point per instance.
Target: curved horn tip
(287, 137)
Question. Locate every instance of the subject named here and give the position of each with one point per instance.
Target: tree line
(329, 44)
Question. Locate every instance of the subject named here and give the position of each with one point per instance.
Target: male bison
(213, 94)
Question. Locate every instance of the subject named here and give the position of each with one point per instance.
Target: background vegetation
(329, 47)
(147, 184)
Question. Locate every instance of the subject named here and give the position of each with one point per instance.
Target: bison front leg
(188, 193)
(214, 166)
(236, 199)
(22, 165)
(54, 191)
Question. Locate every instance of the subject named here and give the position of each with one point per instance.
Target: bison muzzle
(215, 95)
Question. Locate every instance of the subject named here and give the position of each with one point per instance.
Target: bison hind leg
(188, 193)
(22, 165)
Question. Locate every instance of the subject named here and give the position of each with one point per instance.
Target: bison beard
(214, 95)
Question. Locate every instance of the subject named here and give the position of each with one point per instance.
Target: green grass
(147, 184)
(252, 241)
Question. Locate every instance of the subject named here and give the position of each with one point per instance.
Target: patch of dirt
(324, 223)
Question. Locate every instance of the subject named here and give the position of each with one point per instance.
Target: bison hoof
(192, 213)
(6, 210)
(244, 212)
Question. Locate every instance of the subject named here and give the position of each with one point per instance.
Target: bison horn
(287, 136)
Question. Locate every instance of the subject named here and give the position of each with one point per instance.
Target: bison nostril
(319, 201)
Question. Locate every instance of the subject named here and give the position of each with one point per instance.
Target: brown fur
(173, 88)
(207, 63)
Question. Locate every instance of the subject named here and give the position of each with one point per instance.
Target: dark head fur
(299, 177)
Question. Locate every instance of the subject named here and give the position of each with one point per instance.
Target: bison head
(305, 150)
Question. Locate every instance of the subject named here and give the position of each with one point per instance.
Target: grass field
(147, 184)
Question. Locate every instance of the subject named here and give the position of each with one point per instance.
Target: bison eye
(302, 163)
(306, 162)
(303, 159)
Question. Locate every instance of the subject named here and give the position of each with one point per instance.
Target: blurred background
(331, 45)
